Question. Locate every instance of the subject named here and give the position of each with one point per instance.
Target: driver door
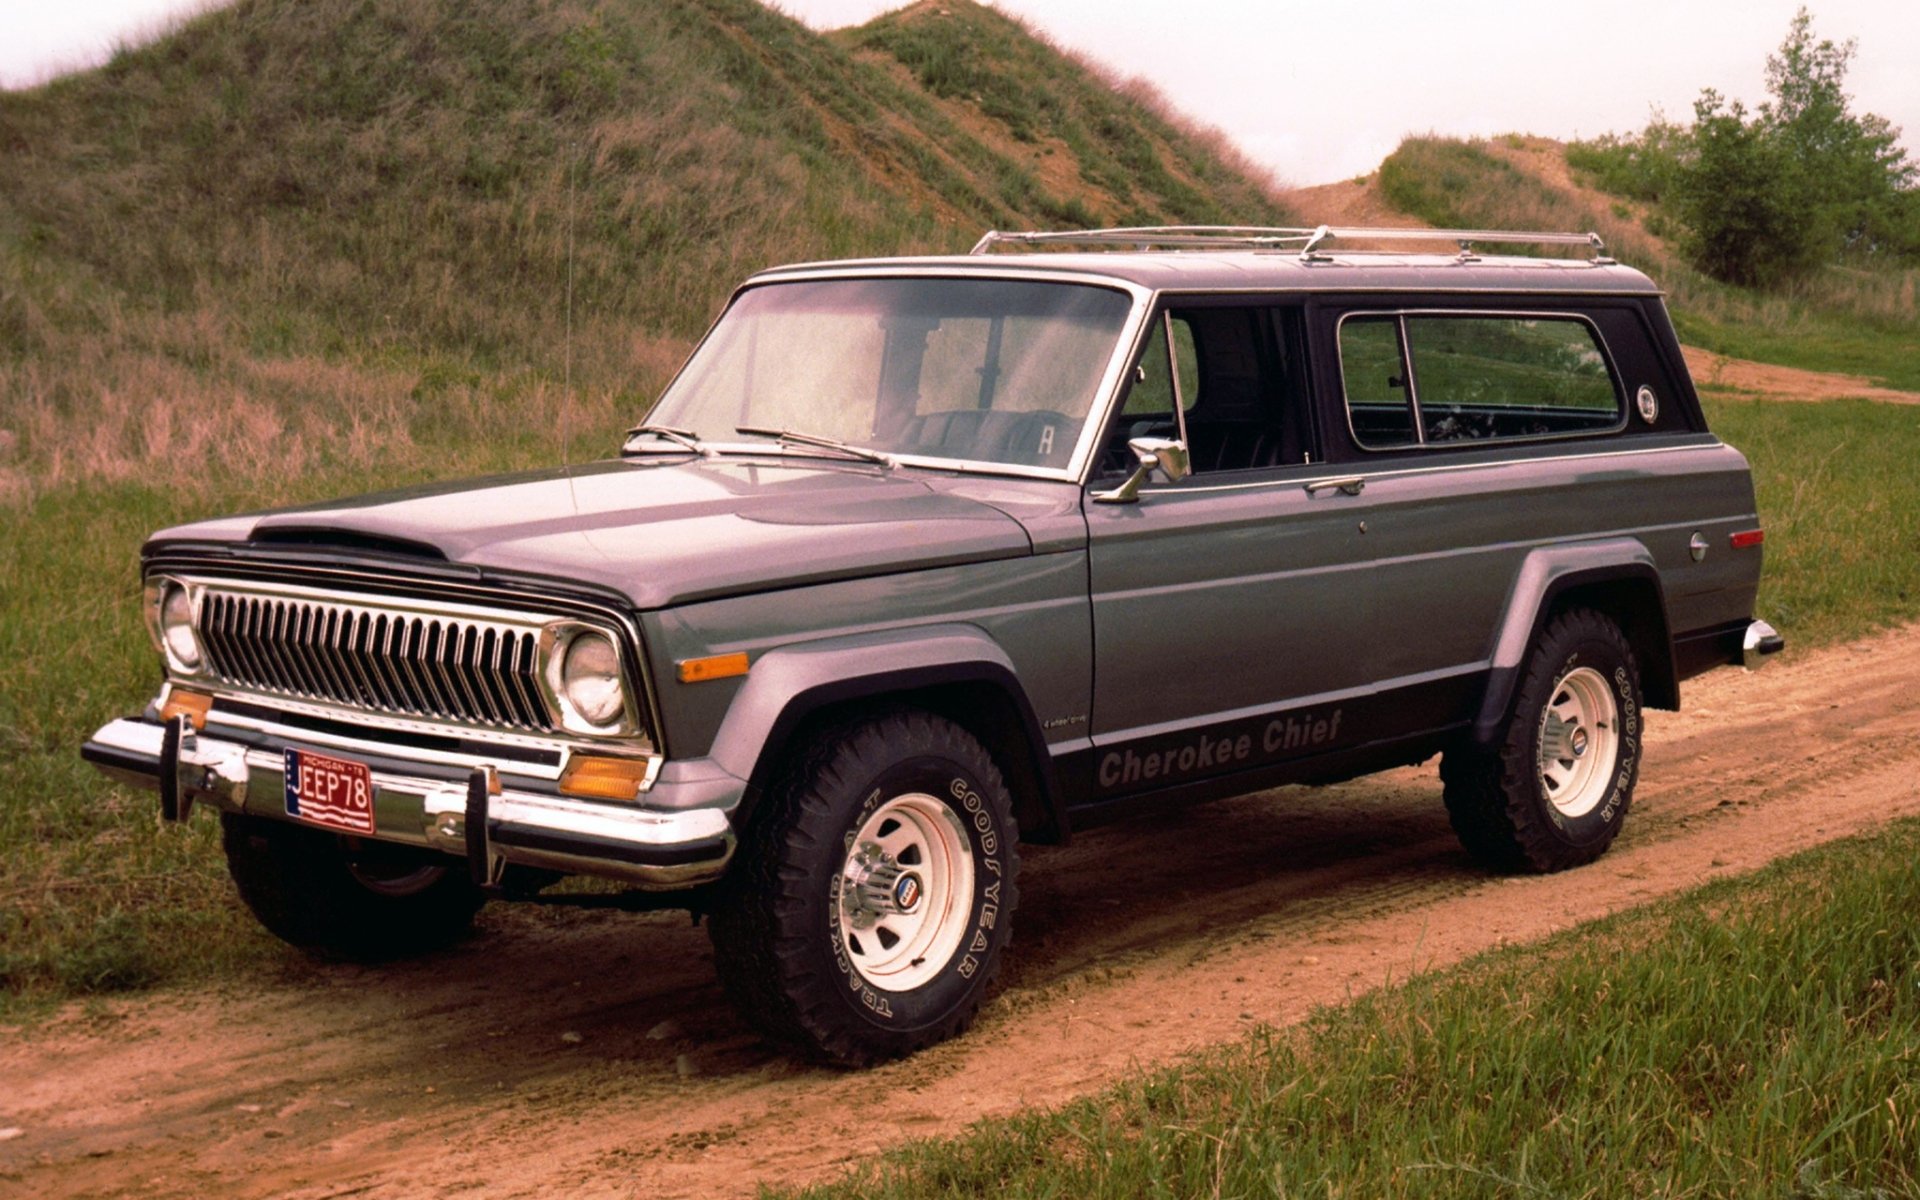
(1231, 609)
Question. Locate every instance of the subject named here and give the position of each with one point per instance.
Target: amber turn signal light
(192, 705)
(604, 778)
(718, 666)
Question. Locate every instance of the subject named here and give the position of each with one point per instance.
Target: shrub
(1771, 195)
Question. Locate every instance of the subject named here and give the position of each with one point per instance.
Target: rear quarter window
(1431, 379)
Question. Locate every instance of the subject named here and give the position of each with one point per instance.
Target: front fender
(793, 683)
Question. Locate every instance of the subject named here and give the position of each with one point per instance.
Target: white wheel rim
(904, 894)
(1579, 742)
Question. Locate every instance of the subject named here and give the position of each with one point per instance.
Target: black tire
(1502, 802)
(781, 924)
(367, 904)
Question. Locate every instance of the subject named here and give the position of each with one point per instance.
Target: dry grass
(299, 239)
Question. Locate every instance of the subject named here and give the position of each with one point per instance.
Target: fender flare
(1549, 573)
(790, 684)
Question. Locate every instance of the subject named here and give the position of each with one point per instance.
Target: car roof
(1262, 270)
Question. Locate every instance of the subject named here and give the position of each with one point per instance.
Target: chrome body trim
(424, 666)
(1270, 238)
(1760, 642)
(1585, 455)
(487, 594)
(602, 838)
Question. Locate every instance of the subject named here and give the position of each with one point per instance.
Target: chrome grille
(457, 668)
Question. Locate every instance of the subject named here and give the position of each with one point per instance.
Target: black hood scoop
(345, 539)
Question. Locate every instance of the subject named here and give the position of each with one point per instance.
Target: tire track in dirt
(1135, 945)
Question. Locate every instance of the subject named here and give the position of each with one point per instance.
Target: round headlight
(590, 678)
(176, 627)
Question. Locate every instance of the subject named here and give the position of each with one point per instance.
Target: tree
(1734, 197)
(1850, 169)
(1799, 184)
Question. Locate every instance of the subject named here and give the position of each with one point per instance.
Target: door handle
(1351, 485)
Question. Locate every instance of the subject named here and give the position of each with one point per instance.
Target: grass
(96, 898)
(304, 219)
(1844, 319)
(1840, 501)
(1755, 1037)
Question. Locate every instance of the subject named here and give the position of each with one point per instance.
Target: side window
(1376, 382)
(1474, 378)
(1152, 392)
(1240, 403)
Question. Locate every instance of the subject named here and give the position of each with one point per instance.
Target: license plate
(334, 792)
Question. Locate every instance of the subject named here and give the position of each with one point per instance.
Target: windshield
(990, 370)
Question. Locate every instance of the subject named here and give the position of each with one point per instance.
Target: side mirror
(1166, 455)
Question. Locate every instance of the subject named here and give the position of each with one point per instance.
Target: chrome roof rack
(1308, 242)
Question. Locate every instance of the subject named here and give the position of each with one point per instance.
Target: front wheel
(874, 891)
(333, 898)
(1555, 791)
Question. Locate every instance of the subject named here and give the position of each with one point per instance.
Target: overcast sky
(1317, 92)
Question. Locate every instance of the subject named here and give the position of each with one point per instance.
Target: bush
(1640, 166)
(1772, 195)
(1744, 222)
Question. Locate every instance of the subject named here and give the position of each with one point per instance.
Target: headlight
(590, 679)
(176, 628)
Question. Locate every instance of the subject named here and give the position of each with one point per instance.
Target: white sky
(1318, 91)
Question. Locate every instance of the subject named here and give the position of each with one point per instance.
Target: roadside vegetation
(1840, 501)
(1754, 1037)
(298, 236)
(1798, 185)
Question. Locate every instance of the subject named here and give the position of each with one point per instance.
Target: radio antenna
(566, 368)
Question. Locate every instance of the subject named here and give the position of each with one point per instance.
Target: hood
(662, 532)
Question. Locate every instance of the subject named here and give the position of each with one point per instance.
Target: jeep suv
(919, 559)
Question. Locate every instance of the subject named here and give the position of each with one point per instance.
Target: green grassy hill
(310, 247)
(320, 220)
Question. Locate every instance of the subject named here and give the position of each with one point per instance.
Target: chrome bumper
(651, 847)
(1761, 642)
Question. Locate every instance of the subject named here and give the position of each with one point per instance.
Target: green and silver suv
(920, 559)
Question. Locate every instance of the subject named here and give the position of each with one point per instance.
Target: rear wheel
(1555, 791)
(365, 902)
(874, 891)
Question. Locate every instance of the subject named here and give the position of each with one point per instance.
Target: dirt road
(592, 1055)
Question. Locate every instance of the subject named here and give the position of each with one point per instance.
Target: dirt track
(521, 1064)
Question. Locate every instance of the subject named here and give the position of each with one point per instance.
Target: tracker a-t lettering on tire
(1046, 539)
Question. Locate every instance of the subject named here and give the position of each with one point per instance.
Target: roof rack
(1261, 237)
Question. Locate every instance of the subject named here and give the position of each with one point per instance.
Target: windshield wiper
(682, 437)
(790, 437)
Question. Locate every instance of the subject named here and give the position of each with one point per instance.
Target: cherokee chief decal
(1229, 747)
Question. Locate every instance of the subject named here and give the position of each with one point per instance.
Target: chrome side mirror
(1166, 455)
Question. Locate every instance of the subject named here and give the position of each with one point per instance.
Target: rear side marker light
(604, 778)
(1748, 537)
(719, 666)
(192, 705)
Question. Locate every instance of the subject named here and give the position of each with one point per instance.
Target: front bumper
(653, 847)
